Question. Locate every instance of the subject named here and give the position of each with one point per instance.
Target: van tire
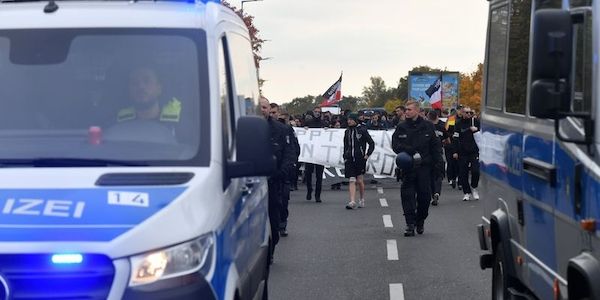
(500, 279)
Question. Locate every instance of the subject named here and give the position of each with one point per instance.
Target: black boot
(410, 230)
(420, 227)
(309, 195)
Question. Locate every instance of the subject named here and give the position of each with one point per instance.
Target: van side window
(577, 3)
(225, 89)
(518, 56)
(244, 73)
(496, 57)
(582, 69)
(548, 4)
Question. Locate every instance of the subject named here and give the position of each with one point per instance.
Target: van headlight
(179, 260)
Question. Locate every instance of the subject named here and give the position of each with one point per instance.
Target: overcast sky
(312, 41)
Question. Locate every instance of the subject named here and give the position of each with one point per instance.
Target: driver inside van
(145, 92)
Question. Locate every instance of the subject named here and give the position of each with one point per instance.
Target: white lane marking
(383, 202)
(380, 190)
(387, 221)
(392, 250)
(396, 291)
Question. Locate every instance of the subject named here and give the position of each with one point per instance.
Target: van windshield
(113, 96)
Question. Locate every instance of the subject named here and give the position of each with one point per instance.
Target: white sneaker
(361, 203)
(467, 197)
(475, 194)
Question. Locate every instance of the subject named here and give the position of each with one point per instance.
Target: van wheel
(500, 280)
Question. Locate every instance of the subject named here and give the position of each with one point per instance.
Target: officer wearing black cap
(419, 156)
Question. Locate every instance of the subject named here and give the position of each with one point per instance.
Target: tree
(390, 105)
(470, 88)
(352, 103)
(255, 40)
(377, 93)
(300, 105)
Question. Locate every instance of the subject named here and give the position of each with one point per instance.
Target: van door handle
(540, 169)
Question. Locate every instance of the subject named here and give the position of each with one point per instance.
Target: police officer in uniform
(284, 153)
(436, 178)
(416, 138)
(146, 94)
(287, 181)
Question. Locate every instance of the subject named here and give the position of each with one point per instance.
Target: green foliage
(377, 94)
(352, 103)
(302, 104)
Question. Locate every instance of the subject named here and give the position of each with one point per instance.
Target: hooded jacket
(356, 139)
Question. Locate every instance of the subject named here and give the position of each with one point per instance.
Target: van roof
(115, 14)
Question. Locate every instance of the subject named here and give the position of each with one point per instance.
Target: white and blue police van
(132, 165)
(540, 150)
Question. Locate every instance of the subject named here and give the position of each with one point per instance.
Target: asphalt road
(334, 253)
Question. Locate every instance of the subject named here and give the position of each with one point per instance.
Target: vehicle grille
(34, 276)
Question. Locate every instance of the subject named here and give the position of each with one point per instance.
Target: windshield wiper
(68, 162)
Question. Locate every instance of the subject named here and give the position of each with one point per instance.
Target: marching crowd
(430, 144)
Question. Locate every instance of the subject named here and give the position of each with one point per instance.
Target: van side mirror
(254, 155)
(551, 63)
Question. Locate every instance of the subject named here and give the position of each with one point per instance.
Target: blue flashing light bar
(206, 1)
(61, 259)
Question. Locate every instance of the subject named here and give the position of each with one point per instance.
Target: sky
(310, 42)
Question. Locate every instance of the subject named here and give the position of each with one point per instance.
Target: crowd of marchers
(431, 144)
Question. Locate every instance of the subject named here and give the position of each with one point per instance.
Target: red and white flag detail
(435, 93)
(333, 95)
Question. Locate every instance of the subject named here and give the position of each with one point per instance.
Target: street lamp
(248, 1)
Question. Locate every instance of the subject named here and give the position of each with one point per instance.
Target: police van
(540, 150)
(132, 166)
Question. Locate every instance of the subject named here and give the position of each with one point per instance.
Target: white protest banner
(325, 146)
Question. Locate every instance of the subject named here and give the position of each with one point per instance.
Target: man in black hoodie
(467, 153)
(416, 137)
(356, 138)
(313, 120)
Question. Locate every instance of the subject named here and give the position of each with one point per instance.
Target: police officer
(436, 177)
(148, 102)
(287, 181)
(284, 153)
(415, 137)
(467, 153)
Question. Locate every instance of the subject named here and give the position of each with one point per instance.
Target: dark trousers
(416, 194)
(285, 200)
(451, 166)
(308, 171)
(274, 211)
(468, 162)
(436, 184)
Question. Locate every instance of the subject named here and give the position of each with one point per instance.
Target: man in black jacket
(313, 120)
(287, 181)
(416, 137)
(467, 153)
(436, 178)
(356, 138)
(281, 143)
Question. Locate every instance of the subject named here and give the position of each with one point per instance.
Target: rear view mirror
(254, 153)
(551, 63)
